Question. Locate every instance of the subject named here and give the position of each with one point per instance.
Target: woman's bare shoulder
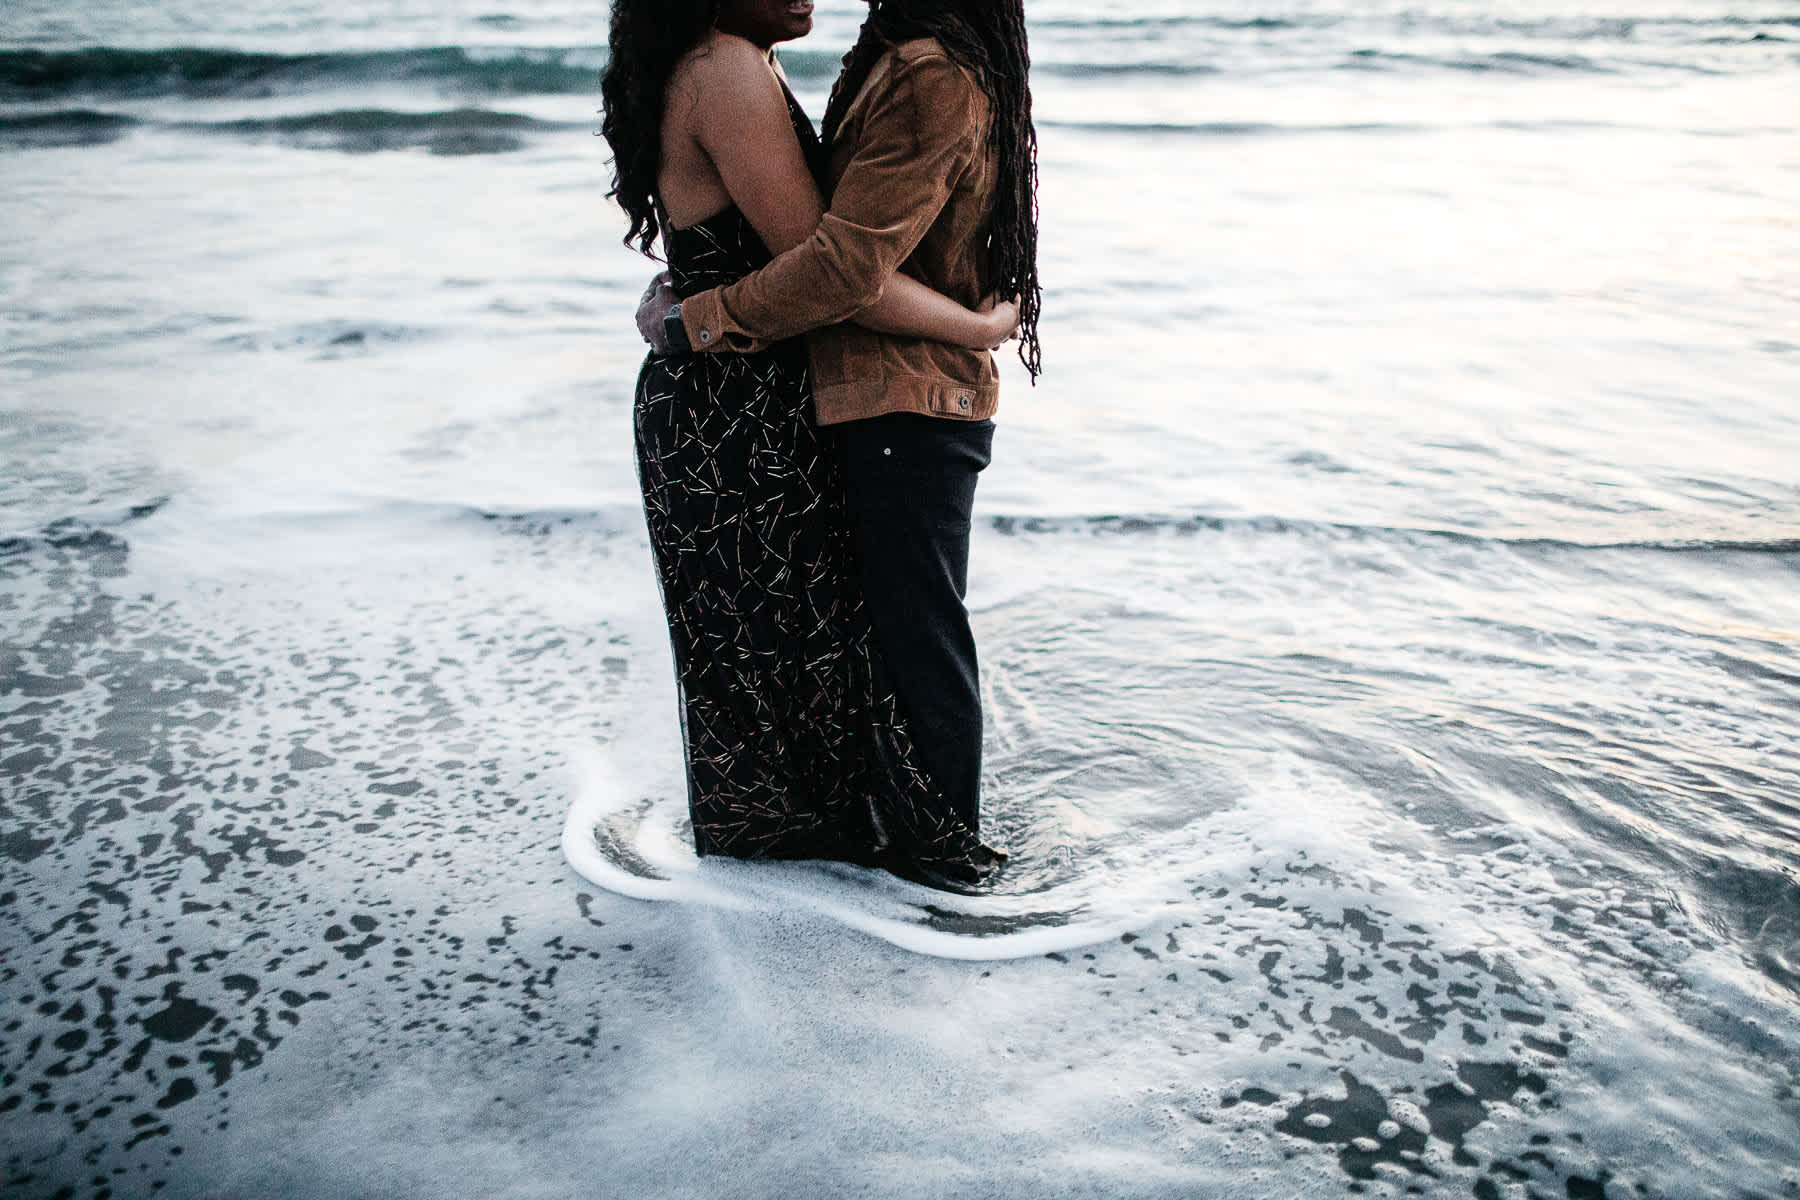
(724, 61)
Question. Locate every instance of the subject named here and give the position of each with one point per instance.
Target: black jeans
(911, 486)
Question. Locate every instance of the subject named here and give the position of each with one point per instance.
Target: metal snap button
(705, 336)
(962, 398)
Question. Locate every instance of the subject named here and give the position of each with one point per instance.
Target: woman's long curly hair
(986, 38)
(648, 38)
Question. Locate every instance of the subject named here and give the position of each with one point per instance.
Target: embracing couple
(809, 499)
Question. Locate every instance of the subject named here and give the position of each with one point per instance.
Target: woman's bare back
(725, 101)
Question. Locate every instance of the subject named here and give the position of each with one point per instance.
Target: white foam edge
(851, 896)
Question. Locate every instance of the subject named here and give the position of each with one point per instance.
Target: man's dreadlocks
(987, 39)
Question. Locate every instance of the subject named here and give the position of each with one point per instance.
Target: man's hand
(1003, 319)
(658, 299)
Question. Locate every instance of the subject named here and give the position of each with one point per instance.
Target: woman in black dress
(795, 745)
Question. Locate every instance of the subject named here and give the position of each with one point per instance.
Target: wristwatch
(675, 333)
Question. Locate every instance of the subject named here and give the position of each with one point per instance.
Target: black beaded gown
(795, 745)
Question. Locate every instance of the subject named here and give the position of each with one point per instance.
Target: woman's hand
(1002, 320)
(658, 298)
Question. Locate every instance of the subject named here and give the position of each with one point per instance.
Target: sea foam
(634, 848)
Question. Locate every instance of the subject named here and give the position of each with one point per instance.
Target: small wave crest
(1503, 62)
(71, 127)
(1135, 24)
(539, 522)
(370, 130)
(1228, 129)
(208, 73)
(1142, 67)
(327, 338)
(71, 530)
(201, 73)
(1127, 524)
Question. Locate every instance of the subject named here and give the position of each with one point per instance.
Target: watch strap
(675, 333)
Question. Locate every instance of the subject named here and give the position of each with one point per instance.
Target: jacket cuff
(704, 319)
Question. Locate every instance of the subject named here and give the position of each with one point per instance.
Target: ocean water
(1389, 602)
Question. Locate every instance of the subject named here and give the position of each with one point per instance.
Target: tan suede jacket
(914, 180)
